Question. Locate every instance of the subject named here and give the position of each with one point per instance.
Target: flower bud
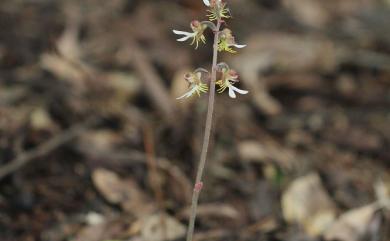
(195, 24)
(233, 74)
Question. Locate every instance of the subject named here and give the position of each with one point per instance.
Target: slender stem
(206, 139)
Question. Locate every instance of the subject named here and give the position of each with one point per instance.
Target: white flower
(232, 88)
(239, 46)
(207, 2)
(229, 77)
(227, 41)
(197, 34)
(194, 88)
(186, 35)
(196, 85)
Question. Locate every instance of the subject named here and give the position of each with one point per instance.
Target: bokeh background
(94, 146)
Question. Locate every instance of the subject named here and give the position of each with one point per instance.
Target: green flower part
(218, 10)
(226, 41)
(227, 81)
(196, 86)
(197, 36)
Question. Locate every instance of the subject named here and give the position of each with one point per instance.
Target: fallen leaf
(93, 218)
(91, 233)
(352, 225)
(382, 191)
(307, 203)
(40, 120)
(64, 69)
(95, 142)
(124, 85)
(308, 12)
(124, 192)
(214, 210)
(159, 227)
(266, 152)
(285, 52)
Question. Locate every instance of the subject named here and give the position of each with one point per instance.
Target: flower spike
(221, 76)
(196, 86)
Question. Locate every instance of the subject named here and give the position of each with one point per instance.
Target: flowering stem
(206, 139)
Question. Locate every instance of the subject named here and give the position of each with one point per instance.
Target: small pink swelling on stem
(198, 186)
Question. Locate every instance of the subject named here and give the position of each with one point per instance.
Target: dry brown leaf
(159, 227)
(259, 152)
(308, 12)
(99, 141)
(91, 233)
(291, 52)
(63, 69)
(252, 150)
(124, 85)
(41, 120)
(352, 225)
(317, 13)
(265, 225)
(382, 191)
(307, 203)
(124, 192)
(68, 44)
(284, 52)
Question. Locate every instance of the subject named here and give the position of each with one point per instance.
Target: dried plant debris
(307, 203)
(303, 156)
(355, 225)
(123, 192)
(160, 227)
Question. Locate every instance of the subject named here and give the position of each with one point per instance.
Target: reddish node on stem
(198, 186)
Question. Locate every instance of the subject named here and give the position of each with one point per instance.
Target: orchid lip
(186, 35)
(240, 46)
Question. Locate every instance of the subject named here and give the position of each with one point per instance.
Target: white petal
(181, 32)
(243, 92)
(240, 46)
(187, 35)
(188, 94)
(181, 97)
(231, 93)
(183, 38)
(206, 2)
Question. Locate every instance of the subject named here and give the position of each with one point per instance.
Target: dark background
(94, 146)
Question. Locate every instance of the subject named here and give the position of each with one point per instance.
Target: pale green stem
(206, 139)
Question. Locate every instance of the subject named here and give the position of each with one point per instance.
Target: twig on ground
(154, 175)
(45, 148)
(153, 83)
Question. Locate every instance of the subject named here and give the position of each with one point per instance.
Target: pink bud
(215, 2)
(195, 24)
(187, 76)
(233, 73)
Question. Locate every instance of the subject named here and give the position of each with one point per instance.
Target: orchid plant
(225, 42)
(201, 82)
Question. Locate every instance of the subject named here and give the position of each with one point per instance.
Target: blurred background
(94, 146)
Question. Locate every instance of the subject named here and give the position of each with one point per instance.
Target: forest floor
(95, 147)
